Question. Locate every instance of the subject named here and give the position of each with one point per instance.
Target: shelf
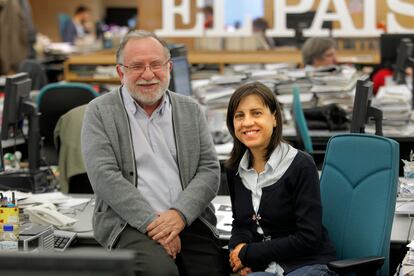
(282, 55)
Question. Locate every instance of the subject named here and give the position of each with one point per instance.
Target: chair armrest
(363, 266)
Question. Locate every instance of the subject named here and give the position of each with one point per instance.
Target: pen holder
(10, 215)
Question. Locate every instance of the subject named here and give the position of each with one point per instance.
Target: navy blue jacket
(290, 214)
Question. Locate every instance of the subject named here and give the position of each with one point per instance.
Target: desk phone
(46, 214)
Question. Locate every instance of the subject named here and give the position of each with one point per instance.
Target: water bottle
(8, 240)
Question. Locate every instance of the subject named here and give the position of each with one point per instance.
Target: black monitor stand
(376, 114)
(34, 179)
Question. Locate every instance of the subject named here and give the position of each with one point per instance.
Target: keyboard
(63, 239)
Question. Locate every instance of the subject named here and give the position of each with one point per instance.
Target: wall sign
(340, 14)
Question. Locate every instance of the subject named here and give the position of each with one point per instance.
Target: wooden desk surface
(100, 58)
(273, 56)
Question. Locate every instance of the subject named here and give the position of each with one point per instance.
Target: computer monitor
(299, 22)
(17, 90)
(121, 16)
(404, 52)
(410, 63)
(1, 158)
(177, 50)
(180, 76)
(389, 44)
(362, 110)
(16, 108)
(79, 262)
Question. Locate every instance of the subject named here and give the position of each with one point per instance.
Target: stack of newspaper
(395, 103)
(335, 85)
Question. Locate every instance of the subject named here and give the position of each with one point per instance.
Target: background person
(208, 17)
(274, 190)
(79, 26)
(153, 167)
(319, 52)
(259, 29)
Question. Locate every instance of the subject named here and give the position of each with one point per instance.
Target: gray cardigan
(110, 163)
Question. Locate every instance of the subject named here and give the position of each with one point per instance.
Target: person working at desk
(79, 26)
(259, 32)
(274, 191)
(319, 52)
(153, 167)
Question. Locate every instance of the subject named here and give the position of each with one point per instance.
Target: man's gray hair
(315, 48)
(139, 34)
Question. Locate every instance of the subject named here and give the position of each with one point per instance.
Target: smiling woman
(264, 105)
(274, 190)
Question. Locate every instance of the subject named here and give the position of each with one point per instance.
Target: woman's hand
(235, 262)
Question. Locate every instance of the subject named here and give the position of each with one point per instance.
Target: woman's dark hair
(269, 100)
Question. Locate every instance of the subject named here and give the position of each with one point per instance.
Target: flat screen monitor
(121, 16)
(404, 52)
(177, 50)
(73, 262)
(17, 90)
(180, 76)
(299, 22)
(362, 109)
(16, 108)
(1, 158)
(389, 44)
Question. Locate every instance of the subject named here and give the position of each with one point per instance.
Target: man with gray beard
(153, 168)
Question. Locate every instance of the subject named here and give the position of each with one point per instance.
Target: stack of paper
(395, 103)
(228, 79)
(343, 79)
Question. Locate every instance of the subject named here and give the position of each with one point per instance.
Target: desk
(289, 55)
(282, 55)
(84, 213)
(403, 135)
(83, 227)
(12, 142)
(403, 226)
(402, 230)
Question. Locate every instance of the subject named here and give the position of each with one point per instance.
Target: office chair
(53, 101)
(302, 132)
(36, 72)
(358, 191)
(63, 20)
(67, 138)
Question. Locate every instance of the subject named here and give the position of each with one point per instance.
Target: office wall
(45, 12)
(150, 18)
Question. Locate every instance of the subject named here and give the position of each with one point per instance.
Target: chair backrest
(63, 19)
(56, 99)
(358, 191)
(301, 126)
(67, 139)
(36, 72)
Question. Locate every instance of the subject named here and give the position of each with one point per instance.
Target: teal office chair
(358, 191)
(301, 126)
(63, 20)
(53, 101)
